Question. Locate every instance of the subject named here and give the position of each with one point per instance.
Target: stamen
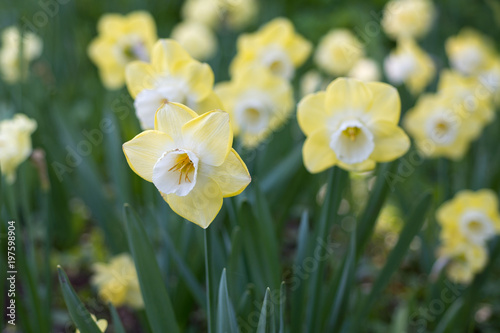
(184, 166)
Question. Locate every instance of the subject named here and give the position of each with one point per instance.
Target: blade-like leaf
(282, 307)
(226, 318)
(117, 322)
(157, 302)
(266, 319)
(81, 317)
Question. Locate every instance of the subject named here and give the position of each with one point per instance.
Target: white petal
(355, 150)
(168, 179)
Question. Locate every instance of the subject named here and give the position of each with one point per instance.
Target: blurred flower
(469, 96)
(311, 82)
(196, 38)
(469, 217)
(408, 18)
(353, 125)
(171, 76)
(275, 46)
(469, 50)
(439, 129)
(15, 143)
(101, 323)
(365, 70)
(409, 64)
(237, 14)
(338, 51)
(258, 103)
(117, 282)
(489, 76)
(190, 161)
(466, 260)
(13, 66)
(121, 39)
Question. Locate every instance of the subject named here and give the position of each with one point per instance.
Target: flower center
(130, 48)
(252, 112)
(441, 130)
(476, 226)
(277, 61)
(175, 172)
(352, 142)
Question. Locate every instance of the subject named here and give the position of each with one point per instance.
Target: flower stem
(208, 275)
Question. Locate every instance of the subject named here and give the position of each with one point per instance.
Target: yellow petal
(209, 136)
(143, 151)
(232, 176)
(300, 49)
(347, 95)
(201, 205)
(366, 165)
(110, 24)
(170, 118)
(168, 54)
(143, 23)
(112, 77)
(209, 103)
(311, 113)
(317, 154)
(102, 324)
(391, 142)
(386, 104)
(199, 77)
(139, 76)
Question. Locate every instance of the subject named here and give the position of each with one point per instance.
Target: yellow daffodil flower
(465, 261)
(117, 282)
(469, 50)
(15, 143)
(13, 67)
(439, 128)
(353, 125)
(489, 76)
(469, 217)
(365, 70)
(275, 46)
(190, 161)
(408, 18)
(258, 103)
(196, 38)
(470, 96)
(173, 76)
(121, 39)
(211, 13)
(338, 51)
(101, 323)
(409, 64)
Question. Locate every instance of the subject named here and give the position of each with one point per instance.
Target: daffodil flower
(258, 102)
(121, 39)
(190, 161)
(408, 18)
(353, 125)
(172, 76)
(409, 64)
(275, 46)
(102, 324)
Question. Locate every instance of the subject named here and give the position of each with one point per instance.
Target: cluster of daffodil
(18, 50)
(467, 222)
(445, 123)
(203, 17)
(15, 143)
(117, 282)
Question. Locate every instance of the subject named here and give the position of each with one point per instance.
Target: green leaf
(226, 318)
(282, 307)
(412, 227)
(117, 322)
(77, 310)
(157, 303)
(266, 320)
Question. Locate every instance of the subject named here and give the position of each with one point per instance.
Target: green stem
(210, 291)
(336, 183)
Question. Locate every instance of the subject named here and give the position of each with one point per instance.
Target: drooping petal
(232, 176)
(317, 154)
(143, 151)
(139, 75)
(168, 54)
(209, 136)
(170, 118)
(386, 104)
(201, 205)
(347, 95)
(391, 142)
(311, 113)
